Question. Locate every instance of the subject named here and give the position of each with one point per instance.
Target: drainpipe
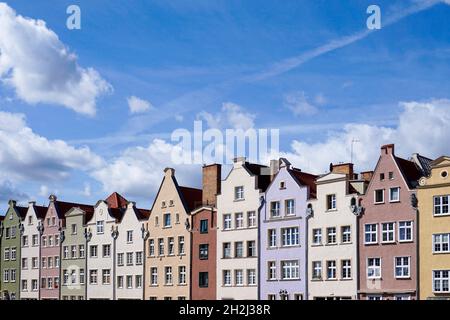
(21, 230)
(414, 205)
(114, 234)
(40, 228)
(145, 235)
(87, 237)
(262, 200)
(61, 240)
(309, 214)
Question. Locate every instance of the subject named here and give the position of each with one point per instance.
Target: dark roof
(1, 218)
(142, 214)
(22, 211)
(191, 197)
(411, 172)
(115, 200)
(424, 163)
(116, 213)
(62, 208)
(305, 179)
(262, 172)
(40, 211)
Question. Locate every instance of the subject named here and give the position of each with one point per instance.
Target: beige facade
(433, 196)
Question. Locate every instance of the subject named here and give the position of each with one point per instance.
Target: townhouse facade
(31, 253)
(129, 264)
(388, 229)
(168, 258)
(11, 232)
(238, 206)
(73, 257)
(283, 234)
(433, 195)
(333, 235)
(204, 236)
(101, 232)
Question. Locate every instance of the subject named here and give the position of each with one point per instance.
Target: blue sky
(187, 59)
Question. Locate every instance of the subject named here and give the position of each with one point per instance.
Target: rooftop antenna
(351, 149)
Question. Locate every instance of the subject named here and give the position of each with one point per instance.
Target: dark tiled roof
(410, 171)
(142, 214)
(22, 211)
(191, 197)
(116, 213)
(115, 200)
(62, 208)
(262, 173)
(425, 164)
(40, 211)
(306, 179)
(1, 218)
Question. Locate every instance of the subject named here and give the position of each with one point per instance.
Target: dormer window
(239, 193)
(282, 185)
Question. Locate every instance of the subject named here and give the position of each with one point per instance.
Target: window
(50, 283)
(182, 275)
(171, 246)
(272, 237)
(441, 243)
(251, 248)
(44, 241)
(120, 259)
(6, 254)
(177, 218)
(379, 196)
(24, 241)
(181, 245)
(370, 234)
(203, 251)
(226, 277)
(34, 263)
(317, 236)
(227, 221)
(227, 250)
(161, 247)
(374, 297)
(13, 254)
(331, 202)
(12, 275)
(290, 237)
(129, 282)
(129, 236)
(24, 285)
(346, 269)
(204, 226)
(43, 283)
(272, 270)
(166, 220)
(331, 270)
(73, 252)
(271, 297)
(81, 251)
(13, 232)
(381, 176)
(100, 227)
(151, 247)
(331, 235)
(156, 221)
(402, 267)
(168, 277)
(34, 285)
(346, 234)
(30, 220)
(35, 240)
(441, 204)
(289, 270)
(387, 232)
(106, 276)
(251, 277)
(317, 270)
(154, 276)
(239, 220)
(120, 282)
(56, 262)
(139, 258)
(57, 240)
(50, 262)
(44, 262)
(239, 277)
(138, 280)
(53, 221)
(405, 231)
(238, 249)
(290, 207)
(73, 277)
(251, 219)
(374, 268)
(129, 258)
(441, 280)
(82, 276)
(239, 193)
(74, 229)
(50, 241)
(93, 251)
(203, 279)
(92, 276)
(24, 263)
(394, 194)
(5, 275)
(391, 175)
(275, 209)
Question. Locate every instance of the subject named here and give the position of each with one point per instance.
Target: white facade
(30, 255)
(100, 227)
(234, 273)
(129, 260)
(332, 254)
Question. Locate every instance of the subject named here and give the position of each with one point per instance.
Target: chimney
(367, 175)
(274, 168)
(387, 149)
(211, 180)
(343, 168)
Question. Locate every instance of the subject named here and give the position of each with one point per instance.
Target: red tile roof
(115, 200)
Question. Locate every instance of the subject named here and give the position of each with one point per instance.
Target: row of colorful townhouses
(263, 232)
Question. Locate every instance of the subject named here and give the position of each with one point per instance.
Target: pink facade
(388, 238)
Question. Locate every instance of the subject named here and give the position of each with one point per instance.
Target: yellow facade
(434, 220)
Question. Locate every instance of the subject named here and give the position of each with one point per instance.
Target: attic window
(282, 185)
(11, 216)
(163, 204)
(391, 175)
(444, 174)
(381, 176)
(171, 203)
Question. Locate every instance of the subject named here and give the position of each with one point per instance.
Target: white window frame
(441, 280)
(227, 221)
(272, 238)
(374, 267)
(289, 210)
(331, 267)
(239, 193)
(290, 270)
(275, 209)
(375, 196)
(411, 227)
(441, 205)
(346, 233)
(388, 232)
(317, 236)
(402, 266)
(390, 194)
(371, 232)
(437, 239)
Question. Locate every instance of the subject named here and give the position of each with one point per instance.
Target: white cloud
(41, 68)
(137, 171)
(299, 105)
(422, 127)
(25, 155)
(231, 116)
(138, 105)
(9, 191)
(44, 191)
(87, 190)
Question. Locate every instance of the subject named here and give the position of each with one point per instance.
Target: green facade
(10, 252)
(73, 260)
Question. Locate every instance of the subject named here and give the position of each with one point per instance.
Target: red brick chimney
(343, 168)
(387, 149)
(212, 177)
